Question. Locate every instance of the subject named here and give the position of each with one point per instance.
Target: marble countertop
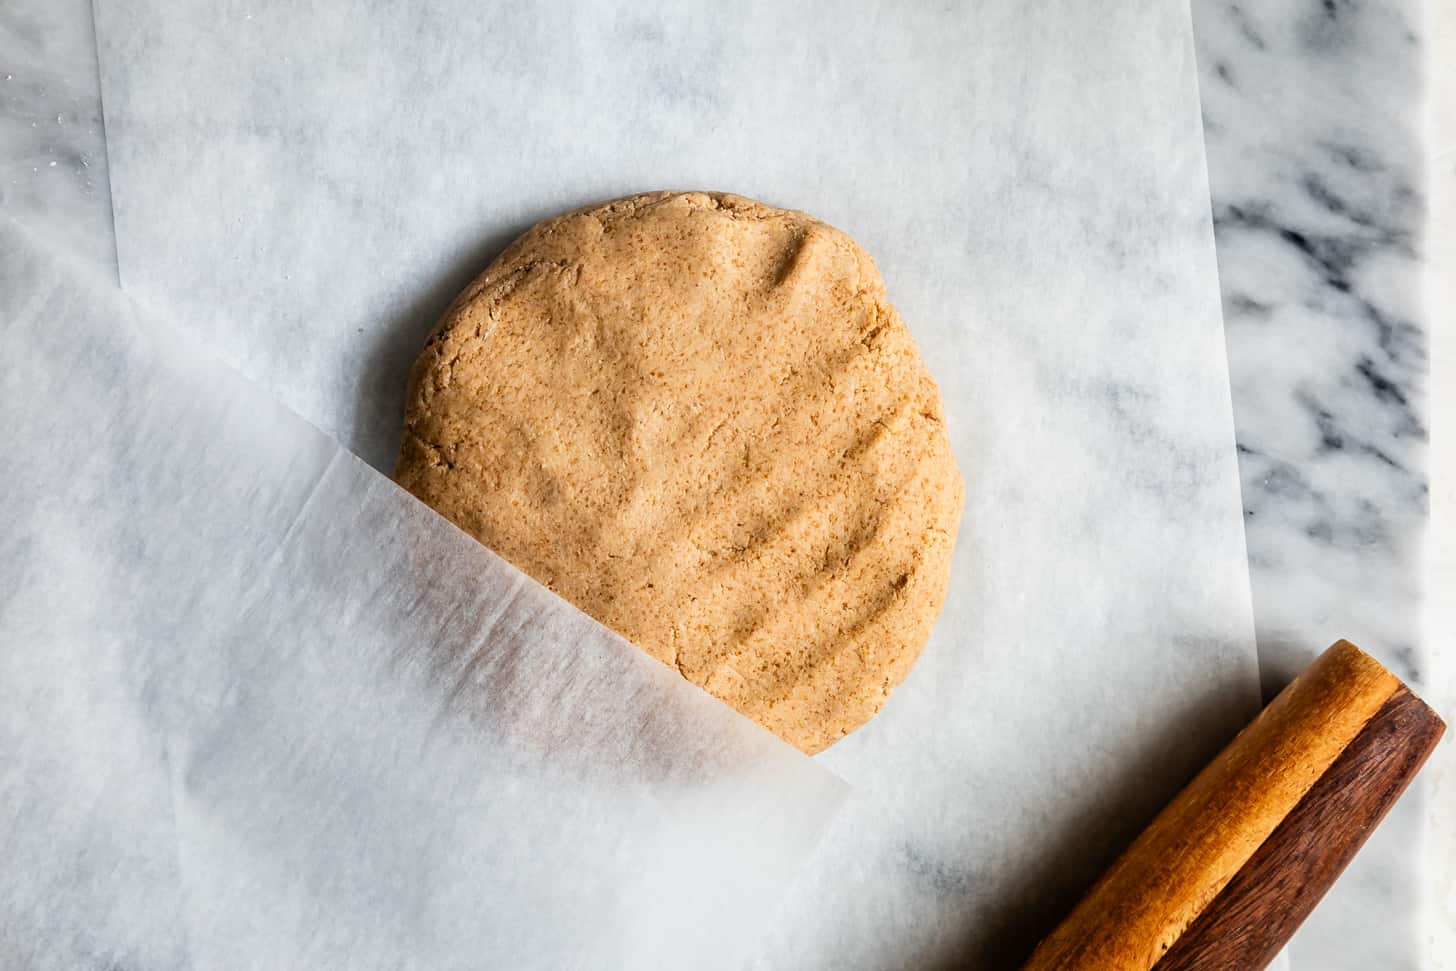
(1441, 554)
(1317, 166)
(1313, 127)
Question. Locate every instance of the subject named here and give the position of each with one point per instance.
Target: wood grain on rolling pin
(1261, 906)
(1224, 874)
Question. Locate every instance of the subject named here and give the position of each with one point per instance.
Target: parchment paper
(312, 183)
(259, 708)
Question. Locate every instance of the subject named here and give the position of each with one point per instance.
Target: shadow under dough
(398, 339)
(399, 336)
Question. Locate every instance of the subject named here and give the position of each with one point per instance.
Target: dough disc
(698, 419)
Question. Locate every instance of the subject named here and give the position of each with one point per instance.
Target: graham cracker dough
(697, 418)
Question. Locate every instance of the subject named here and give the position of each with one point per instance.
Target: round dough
(696, 417)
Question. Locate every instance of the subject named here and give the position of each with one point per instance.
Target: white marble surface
(52, 142)
(1312, 117)
(1298, 89)
(1440, 939)
(1033, 188)
(1313, 122)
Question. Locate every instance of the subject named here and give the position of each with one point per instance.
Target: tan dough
(697, 418)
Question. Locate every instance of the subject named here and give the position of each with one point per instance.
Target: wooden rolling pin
(1224, 875)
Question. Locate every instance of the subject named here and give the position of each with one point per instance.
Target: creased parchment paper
(312, 183)
(261, 709)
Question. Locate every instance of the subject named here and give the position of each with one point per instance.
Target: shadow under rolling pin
(1226, 873)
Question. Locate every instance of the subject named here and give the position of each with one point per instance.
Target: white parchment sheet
(259, 708)
(307, 185)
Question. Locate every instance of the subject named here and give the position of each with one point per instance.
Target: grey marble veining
(1032, 184)
(1310, 129)
(1312, 121)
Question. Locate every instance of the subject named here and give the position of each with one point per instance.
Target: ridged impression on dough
(698, 418)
